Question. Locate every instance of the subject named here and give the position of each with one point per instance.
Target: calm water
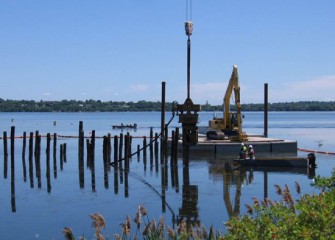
(211, 192)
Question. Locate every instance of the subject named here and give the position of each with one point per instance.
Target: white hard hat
(250, 146)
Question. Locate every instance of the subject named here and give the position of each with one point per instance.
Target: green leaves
(311, 217)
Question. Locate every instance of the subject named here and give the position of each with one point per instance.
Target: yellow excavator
(231, 124)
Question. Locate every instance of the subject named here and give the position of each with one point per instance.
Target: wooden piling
(138, 152)
(48, 163)
(5, 155)
(12, 167)
(265, 110)
(109, 148)
(24, 168)
(64, 152)
(130, 146)
(30, 159)
(61, 156)
(105, 150)
(116, 147)
(120, 145)
(81, 144)
(55, 155)
(144, 146)
(151, 141)
(92, 153)
(175, 157)
(38, 159)
(156, 144)
(81, 154)
(163, 143)
(165, 151)
(126, 152)
(172, 147)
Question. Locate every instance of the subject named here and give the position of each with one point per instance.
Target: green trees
(144, 106)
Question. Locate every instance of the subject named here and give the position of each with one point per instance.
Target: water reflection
(189, 208)
(236, 177)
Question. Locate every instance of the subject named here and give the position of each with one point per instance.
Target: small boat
(275, 162)
(122, 126)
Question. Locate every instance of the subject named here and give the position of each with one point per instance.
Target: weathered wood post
(105, 150)
(5, 154)
(64, 152)
(265, 110)
(163, 143)
(48, 163)
(116, 147)
(61, 156)
(30, 159)
(55, 155)
(130, 146)
(166, 135)
(12, 167)
(109, 148)
(81, 144)
(38, 159)
(138, 152)
(92, 152)
(120, 146)
(156, 153)
(151, 142)
(176, 141)
(24, 168)
(156, 144)
(172, 147)
(126, 142)
(36, 145)
(144, 146)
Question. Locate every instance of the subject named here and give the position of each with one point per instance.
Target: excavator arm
(231, 123)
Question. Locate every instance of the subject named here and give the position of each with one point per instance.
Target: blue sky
(122, 50)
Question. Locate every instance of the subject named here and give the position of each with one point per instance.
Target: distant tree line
(144, 106)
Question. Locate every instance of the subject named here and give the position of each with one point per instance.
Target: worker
(251, 152)
(243, 151)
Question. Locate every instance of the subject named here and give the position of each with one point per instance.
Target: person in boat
(243, 151)
(251, 152)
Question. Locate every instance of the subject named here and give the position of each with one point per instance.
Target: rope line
(150, 142)
(316, 151)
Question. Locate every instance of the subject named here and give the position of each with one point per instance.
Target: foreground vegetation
(140, 106)
(310, 217)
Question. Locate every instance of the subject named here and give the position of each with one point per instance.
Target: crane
(231, 123)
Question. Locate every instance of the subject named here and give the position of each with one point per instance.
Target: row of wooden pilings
(122, 154)
(34, 154)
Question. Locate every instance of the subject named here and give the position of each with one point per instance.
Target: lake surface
(211, 192)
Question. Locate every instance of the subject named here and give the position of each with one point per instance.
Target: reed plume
(297, 187)
(68, 233)
(250, 209)
(98, 222)
(138, 217)
(256, 202)
(278, 189)
(171, 233)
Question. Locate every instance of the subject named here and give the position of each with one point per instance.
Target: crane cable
(188, 10)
